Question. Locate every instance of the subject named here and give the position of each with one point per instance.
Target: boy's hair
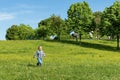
(39, 47)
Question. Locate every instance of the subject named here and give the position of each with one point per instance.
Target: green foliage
(96, 25)
(57, 25)
(41, 32)
(63, 61)
(97, 19)
(54, 25)
(111, 21)
(80, 17)
(12, 33)
(20, 32)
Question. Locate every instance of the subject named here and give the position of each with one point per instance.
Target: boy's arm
(35, 55)
(44, 54)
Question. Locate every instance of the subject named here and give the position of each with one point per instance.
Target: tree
(111, 21)
(41, 32)
(53, 25)
(97, 24)
(12, 33)
(20, 32)
(57, 25)
(80, 17)
(26, 32)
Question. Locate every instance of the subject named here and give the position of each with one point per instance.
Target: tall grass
(65, 60)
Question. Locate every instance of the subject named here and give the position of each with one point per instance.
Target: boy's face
(40, 48)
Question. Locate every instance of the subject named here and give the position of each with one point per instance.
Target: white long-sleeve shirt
(39, 54)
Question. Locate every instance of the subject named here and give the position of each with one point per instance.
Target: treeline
(80, 19)
(20, 32)
(53, 25)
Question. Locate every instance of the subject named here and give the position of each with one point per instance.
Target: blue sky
(30, 12)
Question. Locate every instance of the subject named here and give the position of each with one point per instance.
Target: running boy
(39, 54)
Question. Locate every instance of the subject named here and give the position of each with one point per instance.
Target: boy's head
(40, 48)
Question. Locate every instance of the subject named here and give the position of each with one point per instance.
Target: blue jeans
(39, 60)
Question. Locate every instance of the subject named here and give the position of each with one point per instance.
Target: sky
(31, 12)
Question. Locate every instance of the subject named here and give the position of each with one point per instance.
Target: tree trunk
(117, 42)
(76, 39)
(59, 34)
(80, 36)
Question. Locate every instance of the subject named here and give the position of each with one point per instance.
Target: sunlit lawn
(65, 60)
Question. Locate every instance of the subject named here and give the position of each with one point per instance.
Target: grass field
(65, 60)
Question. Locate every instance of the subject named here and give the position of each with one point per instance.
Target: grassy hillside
(65, 60)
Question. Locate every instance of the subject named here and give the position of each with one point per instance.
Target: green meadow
(65, 60)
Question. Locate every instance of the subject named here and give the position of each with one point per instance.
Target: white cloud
(6, 16)
(26, 6)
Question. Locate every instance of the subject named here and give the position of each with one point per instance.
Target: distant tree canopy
(41, 32)
(96, 24)
(80, 17)
(111, 21)
(53, 25)
(20, 32)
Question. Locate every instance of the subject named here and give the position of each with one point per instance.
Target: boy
(39, 54)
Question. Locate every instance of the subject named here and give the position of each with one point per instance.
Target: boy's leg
(37, 63)
(40, 61)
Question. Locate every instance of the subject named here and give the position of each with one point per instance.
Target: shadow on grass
(89, 45)
(31, 65)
